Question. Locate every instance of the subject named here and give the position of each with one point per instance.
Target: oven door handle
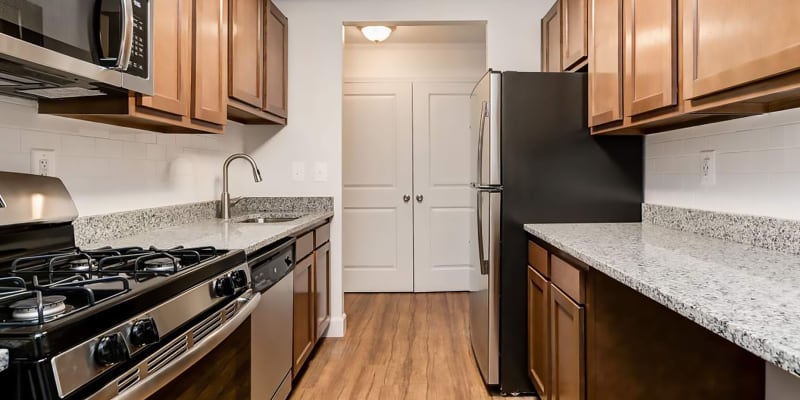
(126, 42)
(162, 377)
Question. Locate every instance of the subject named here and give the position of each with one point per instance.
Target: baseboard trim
(337, 327)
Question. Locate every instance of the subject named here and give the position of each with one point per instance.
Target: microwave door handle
(126, 42)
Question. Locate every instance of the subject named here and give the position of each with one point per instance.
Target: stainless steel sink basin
(267, 220)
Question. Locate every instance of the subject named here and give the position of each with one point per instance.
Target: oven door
(209, 360)
(93, 39)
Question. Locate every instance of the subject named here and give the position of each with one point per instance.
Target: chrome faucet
(225, 201)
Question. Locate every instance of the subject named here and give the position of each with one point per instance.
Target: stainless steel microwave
(75, 48)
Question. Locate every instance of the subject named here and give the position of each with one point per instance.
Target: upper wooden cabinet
(258, 63)
(246, 57)
(605, 65)
(551, 40)
(189, 75)
(574, 32)
(651, 55)
(731, 43)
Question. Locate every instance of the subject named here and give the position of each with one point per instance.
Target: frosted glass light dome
(376, 33)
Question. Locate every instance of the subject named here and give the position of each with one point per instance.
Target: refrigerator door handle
(481, 131)
(483, 262)
(487, 188)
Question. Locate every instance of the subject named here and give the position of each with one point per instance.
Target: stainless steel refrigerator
(534, 162)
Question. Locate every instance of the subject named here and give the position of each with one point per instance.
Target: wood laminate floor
(398, 346)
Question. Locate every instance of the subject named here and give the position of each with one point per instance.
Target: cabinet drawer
(570, 279)
(537, 258)
(304, 246)
(322, 235)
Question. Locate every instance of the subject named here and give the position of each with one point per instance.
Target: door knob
(406, 198)
(419, 198)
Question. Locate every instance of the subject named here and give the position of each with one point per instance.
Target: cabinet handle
(406, 198)
(419, 198)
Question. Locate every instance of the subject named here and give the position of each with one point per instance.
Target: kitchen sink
(267, 220)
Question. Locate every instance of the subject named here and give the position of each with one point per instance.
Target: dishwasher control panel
(268, 268)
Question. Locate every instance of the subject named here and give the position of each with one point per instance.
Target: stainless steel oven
(73, 48)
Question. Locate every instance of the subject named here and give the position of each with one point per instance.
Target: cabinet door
(605, 70)
(573, 29)
(172, 72)
(551, 40)
(246, 52)
(651, 63)
(322, 287)
(210, 80)
(277, 52)
(730, 43)
(567, 347)
(303, 329)
(539, 332)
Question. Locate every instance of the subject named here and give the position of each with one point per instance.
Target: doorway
(406, 157)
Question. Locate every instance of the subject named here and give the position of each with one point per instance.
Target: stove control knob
(288, 261)
(239, 278)
(223, 287)
(110, 350)
(144, 332)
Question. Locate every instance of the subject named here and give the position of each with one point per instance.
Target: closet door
(377, 193)
(443, 214)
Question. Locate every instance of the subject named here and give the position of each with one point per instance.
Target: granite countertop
(748, 295)
(223, 234)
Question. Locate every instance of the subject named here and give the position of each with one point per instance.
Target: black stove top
(57, 299)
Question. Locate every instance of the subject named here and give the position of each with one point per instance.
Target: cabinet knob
(406, 198)
(419, 198)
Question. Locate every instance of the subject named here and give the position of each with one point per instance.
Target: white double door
(406, 195)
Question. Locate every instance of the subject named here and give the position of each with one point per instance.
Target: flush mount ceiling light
(376, 33)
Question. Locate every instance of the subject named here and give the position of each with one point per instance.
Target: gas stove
(105, 322)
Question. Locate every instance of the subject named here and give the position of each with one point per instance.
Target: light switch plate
(320, 171)
(708, 167)
(43, 162)
(298, 171)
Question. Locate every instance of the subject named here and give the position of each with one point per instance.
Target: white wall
(314, 132)
(108, 168)
(415, 61)
(758, 166)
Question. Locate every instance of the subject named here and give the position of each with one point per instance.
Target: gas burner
(161, 264)
(28, 309)
(81, 265)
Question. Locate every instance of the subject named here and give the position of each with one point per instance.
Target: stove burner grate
(28, 309)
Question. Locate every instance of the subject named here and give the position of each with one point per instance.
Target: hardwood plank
(398, 346)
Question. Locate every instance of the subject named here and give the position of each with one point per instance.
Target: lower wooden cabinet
(539, 332)
(568, 347)
(322, 286)
(303, 333)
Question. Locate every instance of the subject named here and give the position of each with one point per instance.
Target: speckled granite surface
(223, 234)
(103, 228)
(770, 233)
(747, 294)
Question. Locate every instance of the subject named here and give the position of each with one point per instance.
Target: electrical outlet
(43, 162)
(298, 171)
(708, 167)
(320, 171)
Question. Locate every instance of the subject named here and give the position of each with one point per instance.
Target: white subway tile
(148, 137)
(10, 141)
(156, 152)
(18, 162)
(107, 148)
(134, 150)
(77, 146)
(39, 140)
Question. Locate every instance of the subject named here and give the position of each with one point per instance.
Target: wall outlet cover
(43, 162)
(708, 167)
(320, 171)
(298, 171)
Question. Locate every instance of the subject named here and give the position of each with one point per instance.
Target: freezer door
(484, 295)
(485, 127)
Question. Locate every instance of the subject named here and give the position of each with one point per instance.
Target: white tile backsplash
(108, 168)
(758, 166)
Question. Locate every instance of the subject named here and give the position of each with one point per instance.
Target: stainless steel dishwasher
(271, 322)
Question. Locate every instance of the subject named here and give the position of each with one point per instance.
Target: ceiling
(443, 33)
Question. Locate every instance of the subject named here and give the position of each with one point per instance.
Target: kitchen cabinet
(189, 75)
(574, 33)
(605, 65)
(303, 321)
(539, 332)
(567, 347)
(651, 55)
(551, 40)
(258, 63)
(322, 288)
